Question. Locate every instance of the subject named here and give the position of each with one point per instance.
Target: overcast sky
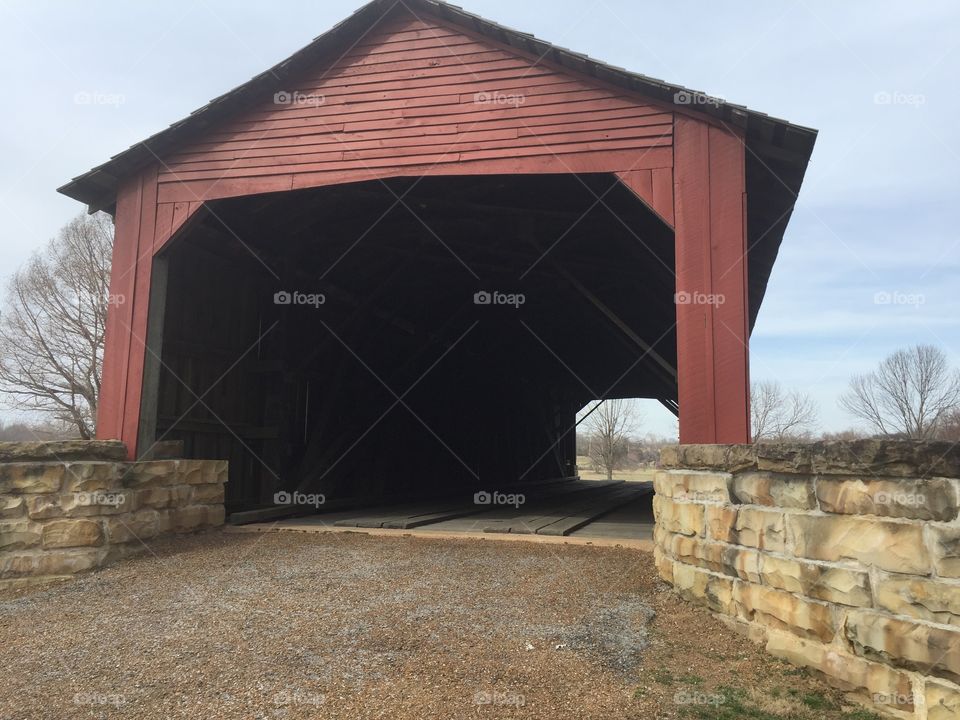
(877, 212)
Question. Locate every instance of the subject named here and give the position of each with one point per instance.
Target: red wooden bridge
(410, 158)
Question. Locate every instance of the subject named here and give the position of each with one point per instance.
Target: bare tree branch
(52, 329)
(912, 394)
(609, 427)
(777, 416)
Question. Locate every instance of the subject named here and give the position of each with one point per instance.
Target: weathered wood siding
(416, 97)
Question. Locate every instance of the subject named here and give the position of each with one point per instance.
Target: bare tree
(777, 416)
(950, 426)
(52, 329)
(910, 394)
(610, 426)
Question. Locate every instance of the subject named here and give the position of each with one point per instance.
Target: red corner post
(142, 227)
(711, 298)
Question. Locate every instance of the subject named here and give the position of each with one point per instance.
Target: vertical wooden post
(129, 287)
(147, 434)
(711, 299)
(142, 228)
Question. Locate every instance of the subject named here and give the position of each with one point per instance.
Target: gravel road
(287, 625)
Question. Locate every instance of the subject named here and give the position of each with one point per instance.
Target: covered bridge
(404, 257)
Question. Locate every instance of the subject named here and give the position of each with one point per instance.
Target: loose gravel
(343, 625)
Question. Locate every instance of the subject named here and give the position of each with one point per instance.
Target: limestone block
(720, 521)
(193, 517)
(61, 450)
(57, 562)
(194, 472)
(727, 559)
(154, 497)
(12, 506)
(704, 588)
(919, 499)
(31, 478)
(762, 529)
(664, 564)
(693, 485)
(215, 471)
(210, 493)
(931, 600)
(774, 490)
(814, 580)
(151, 473)
(946, 549)
(216, 515)
(913, 645)
(163, 497)
(942, 700)
(880, 683)
(784, 611)
(891, 546)
(41, 507)
(729, 458)
(682, 518)
(892, 458)
(787, 457)
(140, 525)
(86, 503)
(76, 532)
(18, 534)
(88, 476)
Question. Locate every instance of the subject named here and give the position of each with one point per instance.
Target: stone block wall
(67, 507)
(840, 557)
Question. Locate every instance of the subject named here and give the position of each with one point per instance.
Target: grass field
(635, 475)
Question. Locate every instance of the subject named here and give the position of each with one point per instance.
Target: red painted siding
(409, 100)
(414, 98)
(712, 337)
(142, 227)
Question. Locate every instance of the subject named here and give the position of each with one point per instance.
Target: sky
(871, 258)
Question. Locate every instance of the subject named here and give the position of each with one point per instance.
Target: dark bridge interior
(403, 381)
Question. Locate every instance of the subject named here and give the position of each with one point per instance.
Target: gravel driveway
(286, 625)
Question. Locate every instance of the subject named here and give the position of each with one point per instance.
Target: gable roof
(781, 148)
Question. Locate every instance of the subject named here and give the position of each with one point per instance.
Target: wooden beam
(711, 297)
(152, 361)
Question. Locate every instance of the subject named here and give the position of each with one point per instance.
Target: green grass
(817, 701)
(735, 705)
(861, 715)
(664, 677)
